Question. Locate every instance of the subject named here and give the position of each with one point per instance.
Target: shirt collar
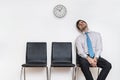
(87, 31)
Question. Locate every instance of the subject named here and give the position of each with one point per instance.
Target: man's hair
(78, 23)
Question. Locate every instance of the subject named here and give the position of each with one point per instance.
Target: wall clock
(59, 11)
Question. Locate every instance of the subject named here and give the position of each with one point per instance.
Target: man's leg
(106, 66)
(84, 64)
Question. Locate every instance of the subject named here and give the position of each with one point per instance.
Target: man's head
(81, 25)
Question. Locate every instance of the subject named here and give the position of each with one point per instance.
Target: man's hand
(95, 59)
(90, 60)
(93, 62)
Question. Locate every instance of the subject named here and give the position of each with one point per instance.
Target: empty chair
(61, 56)
(36, 56)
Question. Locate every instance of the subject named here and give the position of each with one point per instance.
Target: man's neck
(86, 30)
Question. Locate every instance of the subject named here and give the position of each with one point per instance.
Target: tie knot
(86, 33)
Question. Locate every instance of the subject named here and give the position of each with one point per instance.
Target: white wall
(33, 20)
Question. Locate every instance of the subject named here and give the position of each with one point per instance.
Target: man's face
(82, 25)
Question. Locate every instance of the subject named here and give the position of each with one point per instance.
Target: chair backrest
(36, 53)
(61, 53)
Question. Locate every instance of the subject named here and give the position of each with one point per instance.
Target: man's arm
(80, 48)
(98, 48)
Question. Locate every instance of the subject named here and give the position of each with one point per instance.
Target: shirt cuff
(97, 56)
(84, 55)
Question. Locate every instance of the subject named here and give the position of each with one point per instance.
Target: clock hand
(58, 9)
(61, 8)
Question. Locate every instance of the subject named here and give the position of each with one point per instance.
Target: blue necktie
(89, 45)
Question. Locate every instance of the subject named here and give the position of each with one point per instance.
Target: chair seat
(34, 65)
(62, 65)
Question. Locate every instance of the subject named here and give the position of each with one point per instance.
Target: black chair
(61, 56)
(36, 56)
(78, 66)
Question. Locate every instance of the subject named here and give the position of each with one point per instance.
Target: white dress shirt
(81, 44)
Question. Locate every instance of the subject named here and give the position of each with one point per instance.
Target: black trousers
(101, 62)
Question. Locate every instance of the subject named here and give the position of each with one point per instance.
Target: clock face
(59, 11)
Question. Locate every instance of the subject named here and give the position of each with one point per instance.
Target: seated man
(89, 46)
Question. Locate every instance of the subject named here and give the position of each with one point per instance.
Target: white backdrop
(33, 20)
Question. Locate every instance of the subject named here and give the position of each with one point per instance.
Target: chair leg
(98, 71)
(73, 74)
(76, 69)
(24, 74)
(47, 73)
(50, 73)
(21, 73)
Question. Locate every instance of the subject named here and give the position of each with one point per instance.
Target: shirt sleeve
(80, 49)
(98, 49)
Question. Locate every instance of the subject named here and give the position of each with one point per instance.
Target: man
(89, 48)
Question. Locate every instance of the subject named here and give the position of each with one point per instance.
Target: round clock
(59, 11)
